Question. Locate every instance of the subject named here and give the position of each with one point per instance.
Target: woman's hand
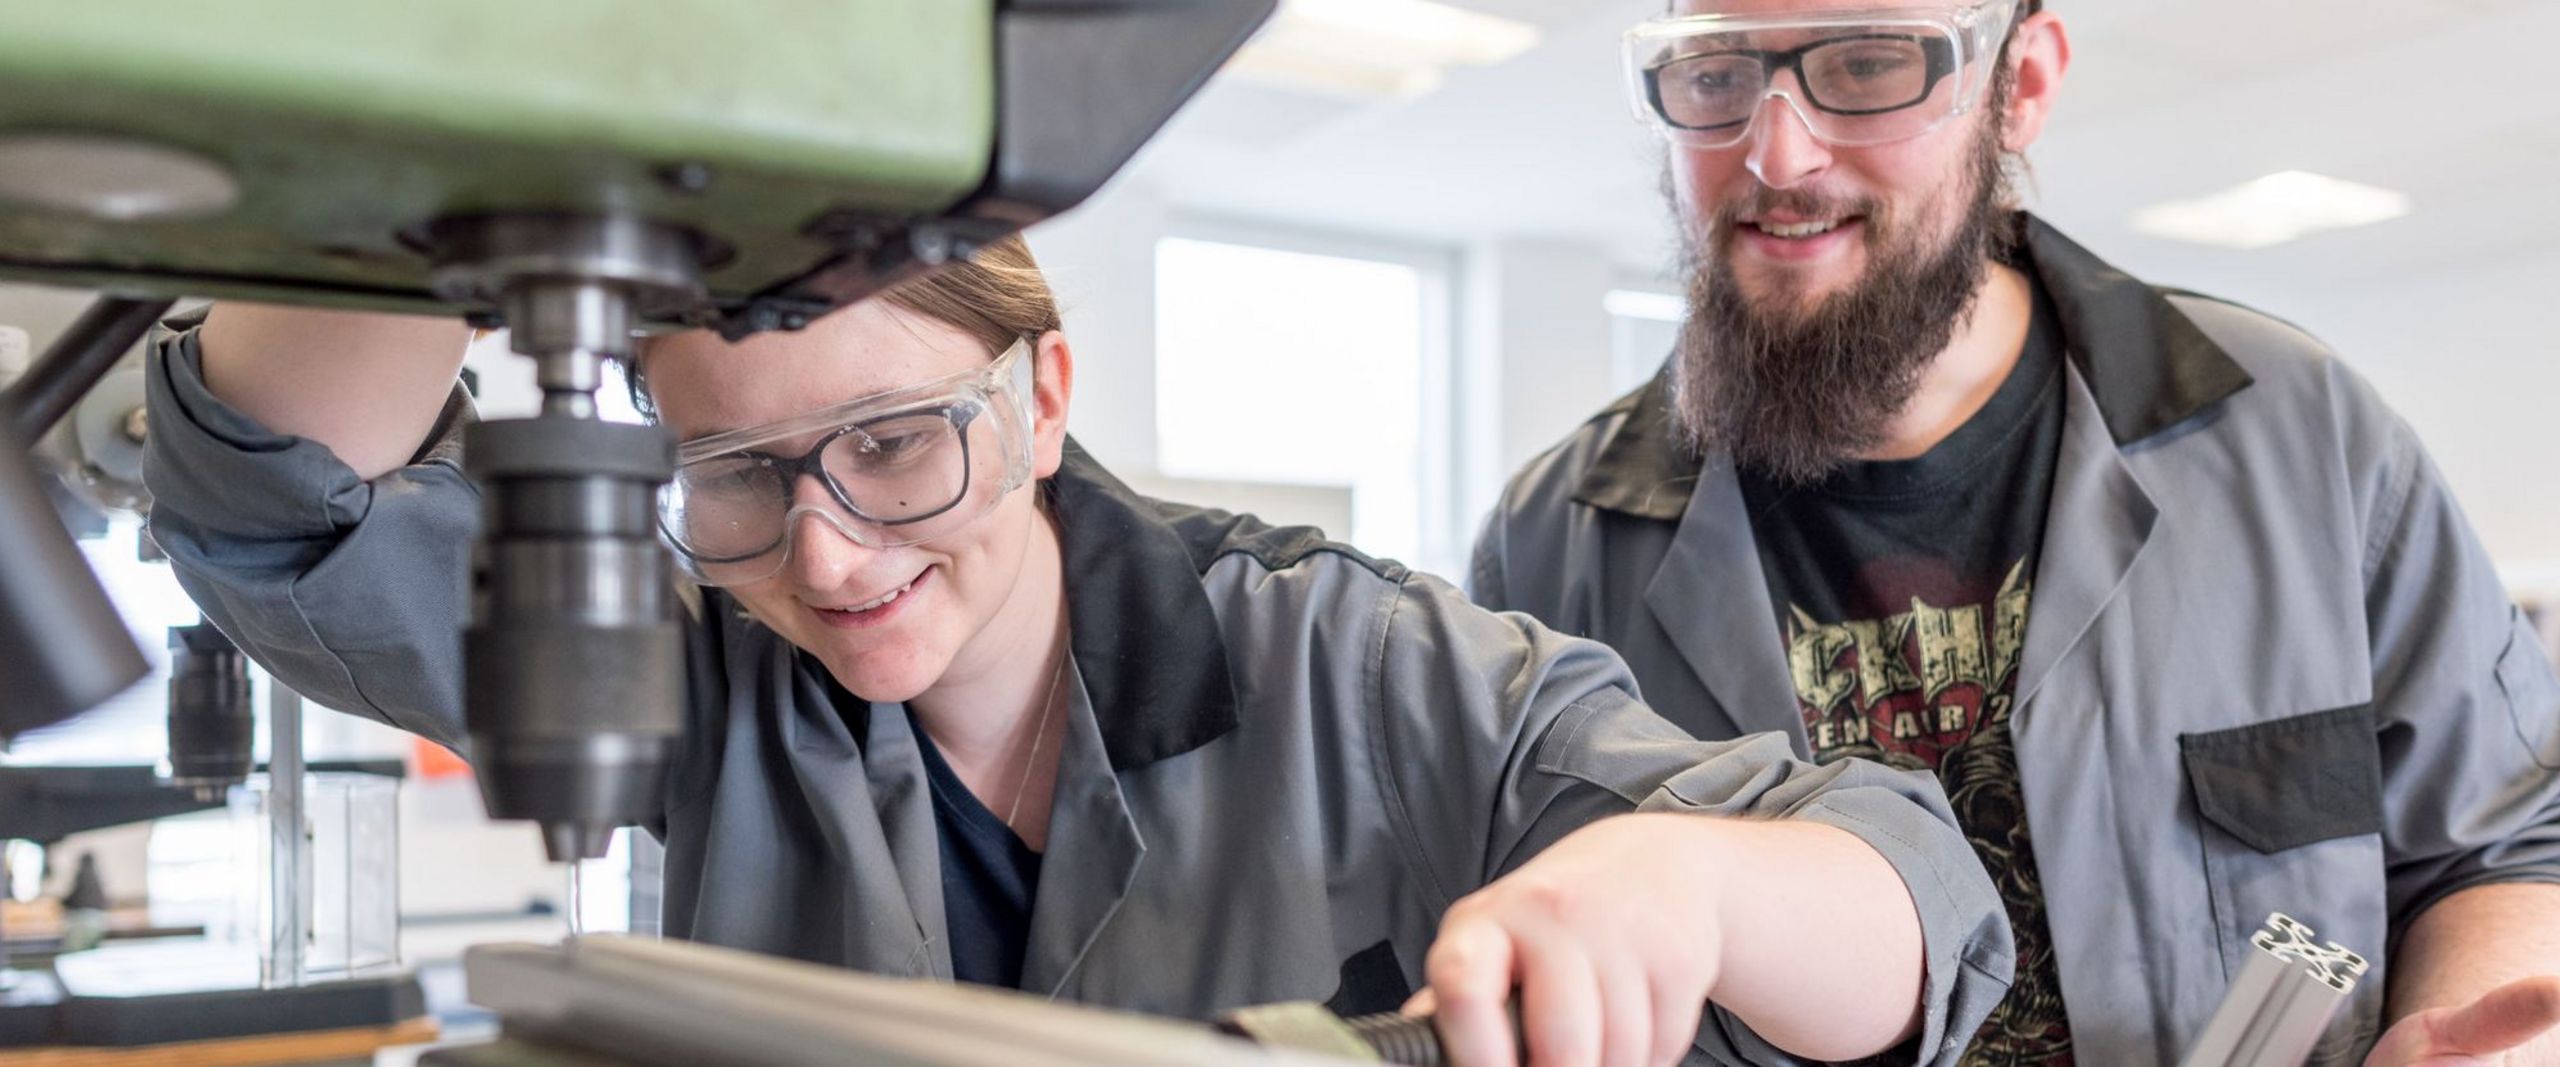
(1618, 935)
(1591, 932)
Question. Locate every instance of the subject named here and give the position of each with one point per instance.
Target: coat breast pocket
(2291, 821)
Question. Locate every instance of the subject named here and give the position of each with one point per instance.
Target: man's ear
(2040, 54)
(1053, 384)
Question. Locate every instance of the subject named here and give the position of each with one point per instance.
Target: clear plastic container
(347, 909)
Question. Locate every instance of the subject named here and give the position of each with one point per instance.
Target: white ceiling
(2449, 101)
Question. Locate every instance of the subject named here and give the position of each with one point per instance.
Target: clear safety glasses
(1854, 77)
(894, 468)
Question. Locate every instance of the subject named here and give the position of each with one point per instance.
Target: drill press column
(573, 660)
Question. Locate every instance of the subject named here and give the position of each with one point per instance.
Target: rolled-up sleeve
(352, 592)
(1494, 712)
(2464, 697)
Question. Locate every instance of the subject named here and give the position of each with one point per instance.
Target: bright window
(1307, 368)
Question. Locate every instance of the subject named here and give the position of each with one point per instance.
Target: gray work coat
(1283, 760)
(2267, 665)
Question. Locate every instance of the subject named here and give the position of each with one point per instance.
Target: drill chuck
(573, 660)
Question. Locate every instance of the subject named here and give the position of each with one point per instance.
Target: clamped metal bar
(2281, 1000)
(605, 1001)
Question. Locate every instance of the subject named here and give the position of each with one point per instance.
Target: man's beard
(1796, 392)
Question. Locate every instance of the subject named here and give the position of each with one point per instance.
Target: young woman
(966, 707)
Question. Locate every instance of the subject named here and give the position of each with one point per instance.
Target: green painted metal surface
(346, 121)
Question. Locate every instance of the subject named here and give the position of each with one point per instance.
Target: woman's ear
(1053, 383)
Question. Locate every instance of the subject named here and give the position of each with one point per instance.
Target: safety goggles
(1855, 77)
(897, 468)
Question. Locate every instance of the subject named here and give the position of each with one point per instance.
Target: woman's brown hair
(998, 296)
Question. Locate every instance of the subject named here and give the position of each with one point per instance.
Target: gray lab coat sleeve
(1500, 736)
(2463, 694)
(353, 593)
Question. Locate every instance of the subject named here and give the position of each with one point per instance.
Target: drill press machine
(569, 169)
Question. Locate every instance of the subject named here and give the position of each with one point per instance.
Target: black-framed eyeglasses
(900, 467)
(890, 471)
(1853, 76)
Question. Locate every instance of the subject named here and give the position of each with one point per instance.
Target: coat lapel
(1709, 595)
(893, 763)
(884, 931)
(2095, 529)
(1093, 855)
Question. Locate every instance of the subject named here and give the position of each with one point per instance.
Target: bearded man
(2179, 613)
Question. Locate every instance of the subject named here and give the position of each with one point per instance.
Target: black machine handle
(1386, 1037)
(63, 649)
(1411, 1040)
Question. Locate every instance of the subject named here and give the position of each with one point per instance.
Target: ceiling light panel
(2272, 210)
(1376, 48)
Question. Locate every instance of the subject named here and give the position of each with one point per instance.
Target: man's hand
(2487, 1031)
(1608, 939)
(2472, 980)
(1618, 935)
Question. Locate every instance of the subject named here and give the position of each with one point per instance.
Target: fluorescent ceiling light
(2271, 211)
(1375, 48)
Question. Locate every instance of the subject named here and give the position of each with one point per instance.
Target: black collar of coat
(1147, 644)
(2148, 366)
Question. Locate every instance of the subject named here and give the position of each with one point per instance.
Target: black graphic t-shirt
(1902, 590)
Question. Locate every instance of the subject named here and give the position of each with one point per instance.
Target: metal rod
(289, 882)
(2280, 1003)
(646, 883)
(84, 353)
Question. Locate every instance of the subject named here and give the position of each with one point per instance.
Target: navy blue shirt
(988, 877)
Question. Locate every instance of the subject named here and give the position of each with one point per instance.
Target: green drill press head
(566, 165)
(812, 150)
